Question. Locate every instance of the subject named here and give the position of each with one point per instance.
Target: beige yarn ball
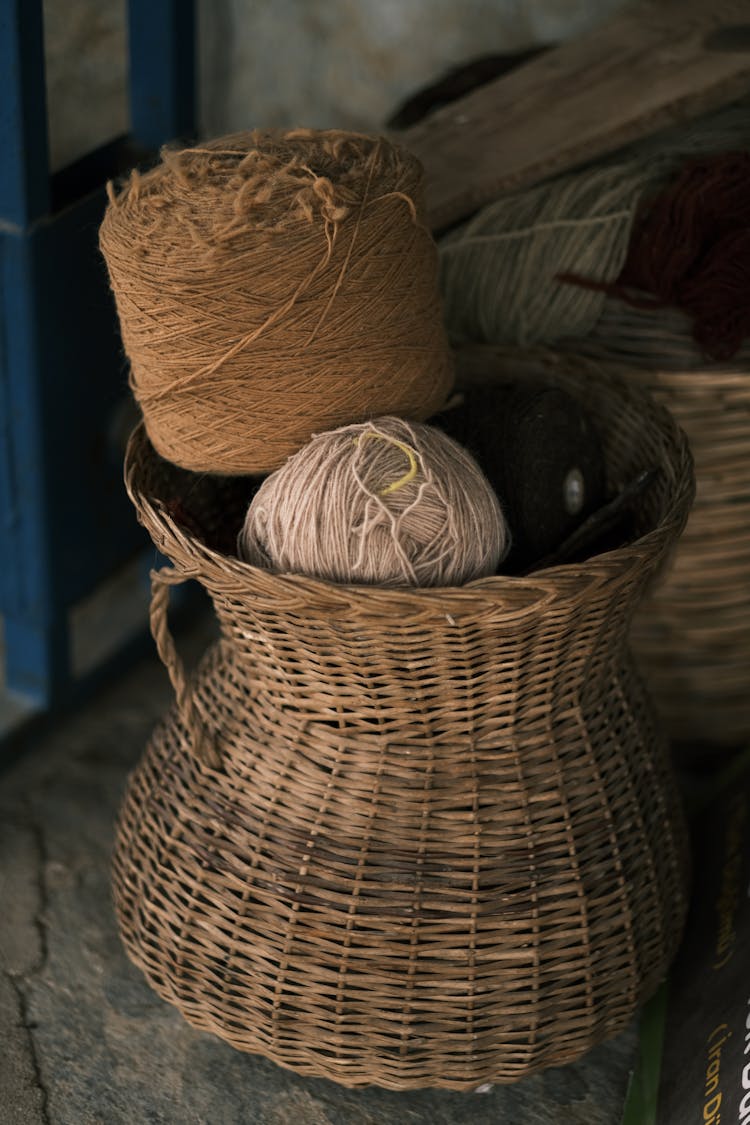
(385, 502)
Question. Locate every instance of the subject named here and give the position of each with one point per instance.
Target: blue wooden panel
(35, 624)
(26, 582)
(162, 70)
(65, 521)
(84, 374)
(24, 175)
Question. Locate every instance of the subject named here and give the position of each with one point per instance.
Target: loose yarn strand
(407, 449)
(586, 225)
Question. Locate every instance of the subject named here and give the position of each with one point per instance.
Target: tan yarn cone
(272, 285)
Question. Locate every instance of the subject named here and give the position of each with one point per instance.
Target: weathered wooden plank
(654, 64)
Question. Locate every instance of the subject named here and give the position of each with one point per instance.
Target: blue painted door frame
(65, 522)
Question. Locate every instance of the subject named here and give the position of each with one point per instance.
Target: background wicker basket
(440, 843)
(691, 638)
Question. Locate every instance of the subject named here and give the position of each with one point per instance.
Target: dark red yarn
(690, 248)
(185, 519)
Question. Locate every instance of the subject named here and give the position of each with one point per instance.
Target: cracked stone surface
(84, 1039)
(22, 1094)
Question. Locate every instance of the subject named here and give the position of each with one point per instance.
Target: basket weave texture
(410, 837)
(691, 638)
(693, 641)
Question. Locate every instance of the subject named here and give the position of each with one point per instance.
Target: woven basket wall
(440, 843)
(693, 640)
(692, 637)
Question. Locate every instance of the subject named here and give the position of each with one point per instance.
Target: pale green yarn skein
(385, 502)
(499, 270)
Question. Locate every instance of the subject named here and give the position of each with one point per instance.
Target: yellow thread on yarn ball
(407, 477)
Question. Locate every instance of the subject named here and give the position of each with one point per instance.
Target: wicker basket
(410, 837)
(692, 638)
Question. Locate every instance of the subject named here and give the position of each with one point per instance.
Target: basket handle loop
(202, 743)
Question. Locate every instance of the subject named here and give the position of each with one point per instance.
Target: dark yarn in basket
(412, 837)
(542, 456)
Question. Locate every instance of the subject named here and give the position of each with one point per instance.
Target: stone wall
(323, 63)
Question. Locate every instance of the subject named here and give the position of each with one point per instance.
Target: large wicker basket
(410, 837)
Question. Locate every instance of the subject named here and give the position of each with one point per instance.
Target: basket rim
(194, 559)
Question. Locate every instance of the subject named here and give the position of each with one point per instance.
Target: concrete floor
(84, 1039)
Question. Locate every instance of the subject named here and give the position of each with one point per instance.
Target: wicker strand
(200, 740)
